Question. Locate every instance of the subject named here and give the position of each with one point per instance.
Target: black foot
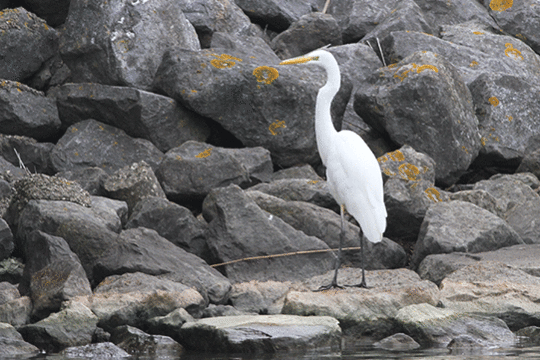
(330, 286)
(361, 285)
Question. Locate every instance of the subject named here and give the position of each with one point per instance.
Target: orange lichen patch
(408, 171)
(474, 63)
(478, 33)
(396, 155)
(206, 153)
(510, 51)
(387, 172)
(433, 194)
(391, 66)
(194, 91)
(275, 125)
(483, 141)
(312, 182)
(224, 61)
(500, 5)
(178, 157)
(510, 117)
(424, 67)
(464, 149)
(265, 74)
(404, 74)
(493, 101)
(522, 37)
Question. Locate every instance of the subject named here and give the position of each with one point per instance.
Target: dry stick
(282, 255)
(21, 164)
(325, 6)
(382, 55)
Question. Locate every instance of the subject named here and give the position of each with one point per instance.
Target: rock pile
(142, 142)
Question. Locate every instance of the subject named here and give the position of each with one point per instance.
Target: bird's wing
(355, 178)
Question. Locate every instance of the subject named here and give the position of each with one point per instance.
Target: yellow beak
(298, 60)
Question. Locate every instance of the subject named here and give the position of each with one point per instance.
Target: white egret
(352, 171)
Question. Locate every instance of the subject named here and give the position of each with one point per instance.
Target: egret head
(325, 60)
(316, 57)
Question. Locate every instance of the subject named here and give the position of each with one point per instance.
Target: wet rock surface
(161, 189)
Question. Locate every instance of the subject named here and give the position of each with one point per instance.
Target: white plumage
(352, 171)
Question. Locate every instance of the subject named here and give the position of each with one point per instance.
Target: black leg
(362, 260)
(334, 283)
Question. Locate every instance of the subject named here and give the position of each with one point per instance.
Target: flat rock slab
(363, 311)
(494, 289)
(439, 327)
(263, 334)
(523, 257)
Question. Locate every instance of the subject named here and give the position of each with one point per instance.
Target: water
(351, 353)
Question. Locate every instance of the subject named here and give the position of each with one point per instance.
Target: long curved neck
(324, 127)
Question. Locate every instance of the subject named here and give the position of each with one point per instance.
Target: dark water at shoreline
(357, 353)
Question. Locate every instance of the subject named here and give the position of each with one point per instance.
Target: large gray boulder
(521, 19)
(26, 42)
(438, 327)
(39, 121)
(519, 204)
(143, 250)
(461, 226)
(357, 18)
(52, 273)
(211, 16)
(277, 14)
(473, 48)
(363, 311)
(439, 266)
(492, 288)
(506, 106)
(139, 113)
(72, 326)
(259, 104)
(35, 155)
(172, 221)
(92, 143)
(134, 298)
(263, 334)
(193, 169)
(325, 224)
(422, 101)
(12, 343)
(313, 191)
(310, 32)
(240, 229)
(89, 232)
(121, 43)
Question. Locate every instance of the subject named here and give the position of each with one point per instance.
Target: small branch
(21, 164)
(282, 255)
(380, 50)
(325, 6)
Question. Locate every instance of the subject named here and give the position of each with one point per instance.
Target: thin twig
(21, 164)
(282, 255)
(380, 50)
(325, 6)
